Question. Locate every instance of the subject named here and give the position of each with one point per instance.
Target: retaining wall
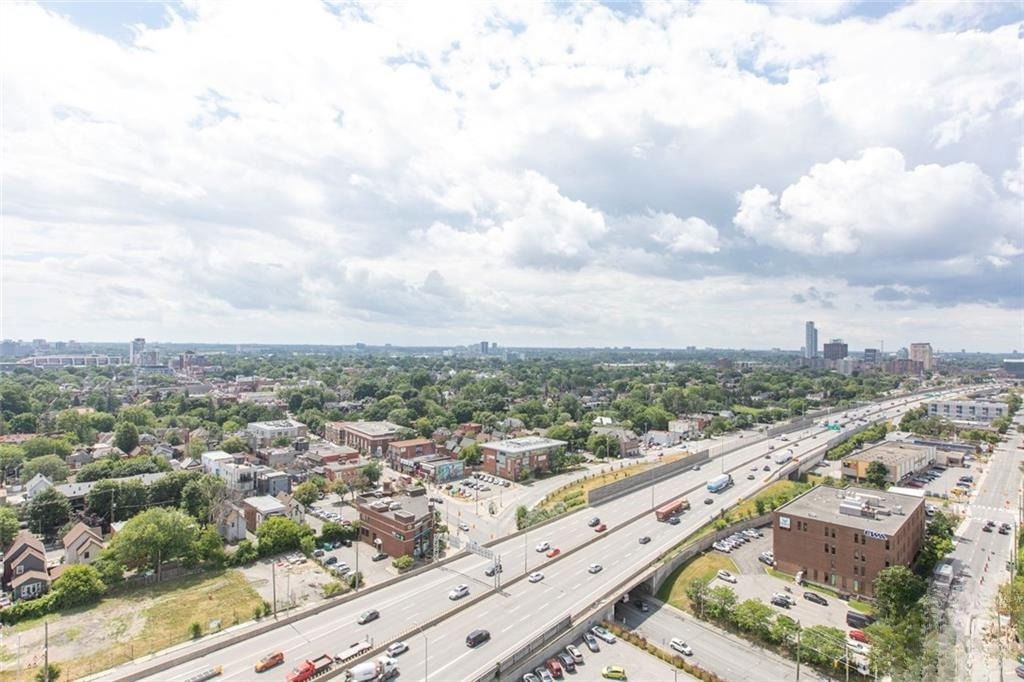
(652, 475)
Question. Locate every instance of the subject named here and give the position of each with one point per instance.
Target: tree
(153, 537)
(281, 442)
(470, 454)
(137, 415)
(126, 436)
(306, 493)
(51, 466)
(697, 593)
(209, 547)
(372, 472)
(823, 644)
(403, 562)
(78, 584)
(37, 447)
(49, 673)
(753, 616)
(26, 422)
(233, 444)
(47, 512)
(76, 425)
(200, 497)
(9, 525)
(11, 457)
(897, 590)
(877, 471)
(783, 629)
(721, 601)
(279, 534)
(102, 421)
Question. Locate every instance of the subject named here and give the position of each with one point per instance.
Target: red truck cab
(307, 670)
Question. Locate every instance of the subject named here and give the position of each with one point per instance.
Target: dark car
(492, 569)
(673, 520)
(644, 540)
(642, 605)
(567, 662)
(781, 602)
(1020, 671)
(593, 522)
(987, 529)
(766, 468)
(816, 598)
(477, 637)
(750, 477)
(708, 500)
(330, 561)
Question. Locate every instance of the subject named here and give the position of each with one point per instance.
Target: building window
(856, 586)
(887, 544)
(856, 555)
(826, 548)
(887, 563)
(19, 570)
(826, 531)
(833, 549)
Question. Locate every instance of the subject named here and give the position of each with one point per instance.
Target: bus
(719, 483)
(666, 511)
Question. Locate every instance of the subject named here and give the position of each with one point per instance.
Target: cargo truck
(308, 669)
(719, 483)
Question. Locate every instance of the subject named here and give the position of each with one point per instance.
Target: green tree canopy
(280, 534)
(877, 471)
(51, 466)
(897, 590)
(78, 584)
(9, 525)
(126, 436)
(47, 512)
(307, 493)
(157, 534)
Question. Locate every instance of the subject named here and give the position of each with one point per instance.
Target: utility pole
(798, 651)
(426, 658)
(273, 579)
(46, 651)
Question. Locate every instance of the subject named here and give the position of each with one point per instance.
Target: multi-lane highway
(520, 610)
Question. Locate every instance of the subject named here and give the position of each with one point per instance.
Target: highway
(521, 609)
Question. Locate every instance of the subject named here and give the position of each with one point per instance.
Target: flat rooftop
(524, 444)
(417, 505)
(888, 452)
(372, 429)
(264, 503)
(881, 508)
(277, 424)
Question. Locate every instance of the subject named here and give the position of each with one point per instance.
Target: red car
(553, 552)
(859, 636)
(601, 528)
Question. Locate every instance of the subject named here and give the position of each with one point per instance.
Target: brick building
(409, 449)
(519, 458)
(403, 526)
(842, 538)
(901, 460)
(369, 438)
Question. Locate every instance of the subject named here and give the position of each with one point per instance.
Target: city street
(981, 558)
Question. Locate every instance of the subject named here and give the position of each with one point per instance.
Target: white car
(859, 647)
(397, 648)
(574, 652)
(680, 646)
(786, 597)
(544, 546)
(726, 576)
(603, 634)
(459, 591)
(595, 568)
(463, 526)
(536, 577)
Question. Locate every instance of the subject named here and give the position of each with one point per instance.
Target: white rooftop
(384, 428)
(265, 504)
(524, 444)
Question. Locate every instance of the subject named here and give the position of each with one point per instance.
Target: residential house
(272, 482)
(82, 544)
(79, 458)
(663, 438)
(229, 519)
(25, 567)
(260, 508)
(629, 442)
(36, 485)
(293, 509)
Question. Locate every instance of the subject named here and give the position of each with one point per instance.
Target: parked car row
(737, 540)
(565, 661)
(493, 480)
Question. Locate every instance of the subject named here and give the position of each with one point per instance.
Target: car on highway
(270, 661)
(601, 528)
(750, 477)
(766, 468)
(366, 616)
(397, 648)
(536, 577)
(642, 605)
(458, 592)
(726, 576)
(780, 601)
(594, 568)
(708, 500)
(574, 652)
(553, 552)
(591, 642)
(491, 570)
(544, 546)
(987, 528)
(613, 672)
(593, 522)
(680, 646)
(477, 637)
(603, 634)
(673, 520)
(1004, 528)
(463, 526)
(644, 539)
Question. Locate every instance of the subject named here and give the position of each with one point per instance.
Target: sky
(534, 174)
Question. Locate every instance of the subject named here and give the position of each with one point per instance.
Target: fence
(652, 475)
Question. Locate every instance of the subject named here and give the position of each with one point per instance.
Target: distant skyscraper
(484, 346)
(872, 356)
(835, 350)
(922, 352)
(810, 341)
(135, 350)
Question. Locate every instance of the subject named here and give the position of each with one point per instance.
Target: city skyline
(549, 175)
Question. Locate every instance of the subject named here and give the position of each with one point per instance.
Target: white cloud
(384, 169)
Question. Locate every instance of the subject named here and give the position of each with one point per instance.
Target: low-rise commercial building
(409, 449)
(406, 529)
(968, 410)
(260, 508)
(519, 458)
(902, 460)
(369, 438)
(263, 434)
(842, 538)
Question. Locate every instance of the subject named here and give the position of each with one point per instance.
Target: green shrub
(195, 630)
(403, 562)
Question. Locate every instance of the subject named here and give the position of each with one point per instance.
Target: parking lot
(944, 483)
(639, 664)
(753, 582)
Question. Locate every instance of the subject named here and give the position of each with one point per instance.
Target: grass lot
(144, 620)
(673, 590)
(587, 484)
(854, 604)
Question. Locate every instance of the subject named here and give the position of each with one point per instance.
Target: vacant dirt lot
(122, 627)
